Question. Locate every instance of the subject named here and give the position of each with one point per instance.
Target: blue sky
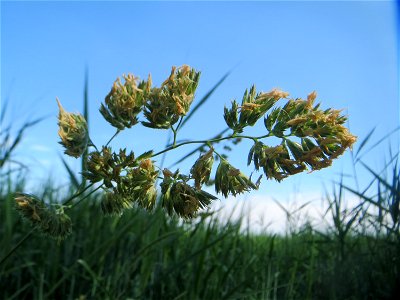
(346, 51)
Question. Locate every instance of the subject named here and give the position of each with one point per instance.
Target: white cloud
(262, 213)
(40, 148)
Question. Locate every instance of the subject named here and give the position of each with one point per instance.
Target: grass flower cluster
(310, 139)
(52, 222)
(125, 101)
(73, 132)
(141, 255)
(167, 104)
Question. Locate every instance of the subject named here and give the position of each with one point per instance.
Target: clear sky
(346, 51)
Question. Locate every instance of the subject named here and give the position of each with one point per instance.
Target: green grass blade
(364, 142)
(380, 141)
(365, 198)
(86, 116)
(8, 151)
(66, 273)
(22, 289)
(204, 99)
(378, 177)
(3, 110)
(72, 177)
(97, 280)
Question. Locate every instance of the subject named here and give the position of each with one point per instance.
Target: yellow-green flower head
(184, 200)
(254, 105)
(180, 198)
(114, 204)
(229, 180)
(30, 207)
(125, 101)
(137, 186)
(311, 99)
(166, 105)
(73, 132)
(140, 184)
(181, 85)
(276, 94)
(201, 169)
(52, 222)
(107, 165)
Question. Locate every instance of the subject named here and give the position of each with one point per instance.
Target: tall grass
(151, 256)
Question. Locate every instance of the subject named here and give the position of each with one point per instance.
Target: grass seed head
(166, 105)
(49, 221)
(73, 132)
(125, 101)
(276, 94)
(229, 180)
(201, 169)
(139, 184)
(113, 204)
(185, 200)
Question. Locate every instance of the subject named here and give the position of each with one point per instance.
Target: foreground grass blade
(86, 116)
(204, 99)
(3, 110)
(364, 143)
(72, 177)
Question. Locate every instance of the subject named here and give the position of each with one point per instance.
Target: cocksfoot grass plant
(310, 139)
